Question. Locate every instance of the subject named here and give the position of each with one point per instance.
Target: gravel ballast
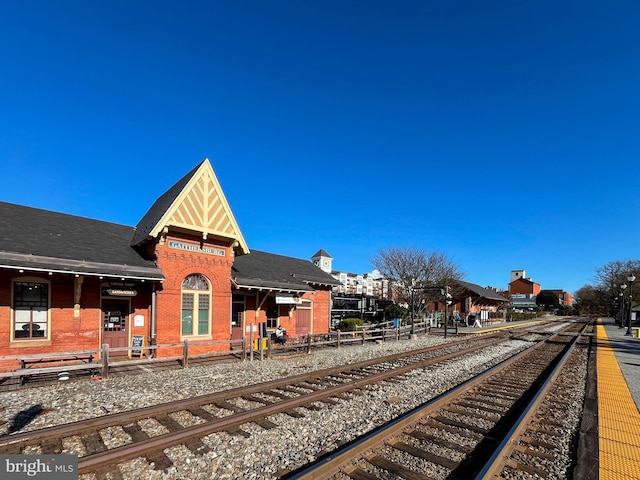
(265, 452)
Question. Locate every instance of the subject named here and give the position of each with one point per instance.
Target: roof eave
(246, 284)
(35, 263)
(321, 284)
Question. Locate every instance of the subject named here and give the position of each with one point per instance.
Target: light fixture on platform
(623, 315)
(631, 278)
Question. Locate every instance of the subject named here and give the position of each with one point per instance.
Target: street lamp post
(631, 279)
(413, 328)
(621, 310)
(447, 302)
(623, 315)
(619, 320)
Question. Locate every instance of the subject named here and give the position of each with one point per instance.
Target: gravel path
(295, 442)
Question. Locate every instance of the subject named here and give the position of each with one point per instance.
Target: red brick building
(523, 290)
(69, 283)
(564, 298)
(520, 285)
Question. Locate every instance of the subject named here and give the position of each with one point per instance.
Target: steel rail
(497, 462)
(332, 463)
(116, 455)
(98, 423)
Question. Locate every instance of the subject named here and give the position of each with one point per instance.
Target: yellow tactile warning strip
(618, 418)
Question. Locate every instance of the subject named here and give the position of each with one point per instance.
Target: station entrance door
(115, 323)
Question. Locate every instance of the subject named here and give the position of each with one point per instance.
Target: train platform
(611, 425)
(618, 394)
(499, 325)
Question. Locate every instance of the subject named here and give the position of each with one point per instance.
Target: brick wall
(321, 311)
(67, 332)
(524, 287)
(176, 265)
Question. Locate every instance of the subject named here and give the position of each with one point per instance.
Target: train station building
(185, 271)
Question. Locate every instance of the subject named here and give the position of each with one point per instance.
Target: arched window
(196, 305)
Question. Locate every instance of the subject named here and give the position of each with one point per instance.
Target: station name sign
(190, 247)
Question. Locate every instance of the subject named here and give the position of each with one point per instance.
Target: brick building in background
(565, 298)
(523, 291)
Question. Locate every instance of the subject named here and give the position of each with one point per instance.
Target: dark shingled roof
(522, 279)
(277, 272)
(36, 239)
(322, 253)
(482, 292)
(160, 207)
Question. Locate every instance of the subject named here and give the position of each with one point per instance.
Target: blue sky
(503, 134)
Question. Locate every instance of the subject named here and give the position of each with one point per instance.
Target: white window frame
(196, 294)
(35, 280)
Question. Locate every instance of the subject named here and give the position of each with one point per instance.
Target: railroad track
(224, 411)
(487, 427)
(534, 446)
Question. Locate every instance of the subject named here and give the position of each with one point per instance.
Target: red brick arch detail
(214, 282)
(176, 266)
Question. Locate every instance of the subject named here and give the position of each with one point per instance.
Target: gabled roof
(322, 253)
(528, 281)
(268, 271)
(42, 240)
(482, 294)
(195, 204)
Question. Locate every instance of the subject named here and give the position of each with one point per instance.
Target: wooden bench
(29, 364)
(26, 362)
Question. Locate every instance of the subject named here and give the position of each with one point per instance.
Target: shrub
(522, 316)
(351, 324)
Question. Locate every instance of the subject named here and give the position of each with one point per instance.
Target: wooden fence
(249, 348)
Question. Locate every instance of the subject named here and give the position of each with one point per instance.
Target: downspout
(152, 340)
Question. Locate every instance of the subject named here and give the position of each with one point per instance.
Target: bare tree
(407, 268)
(592, 300)
(609, 277)
(600, 297)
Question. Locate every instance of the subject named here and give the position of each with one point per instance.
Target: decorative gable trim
(200, 207)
